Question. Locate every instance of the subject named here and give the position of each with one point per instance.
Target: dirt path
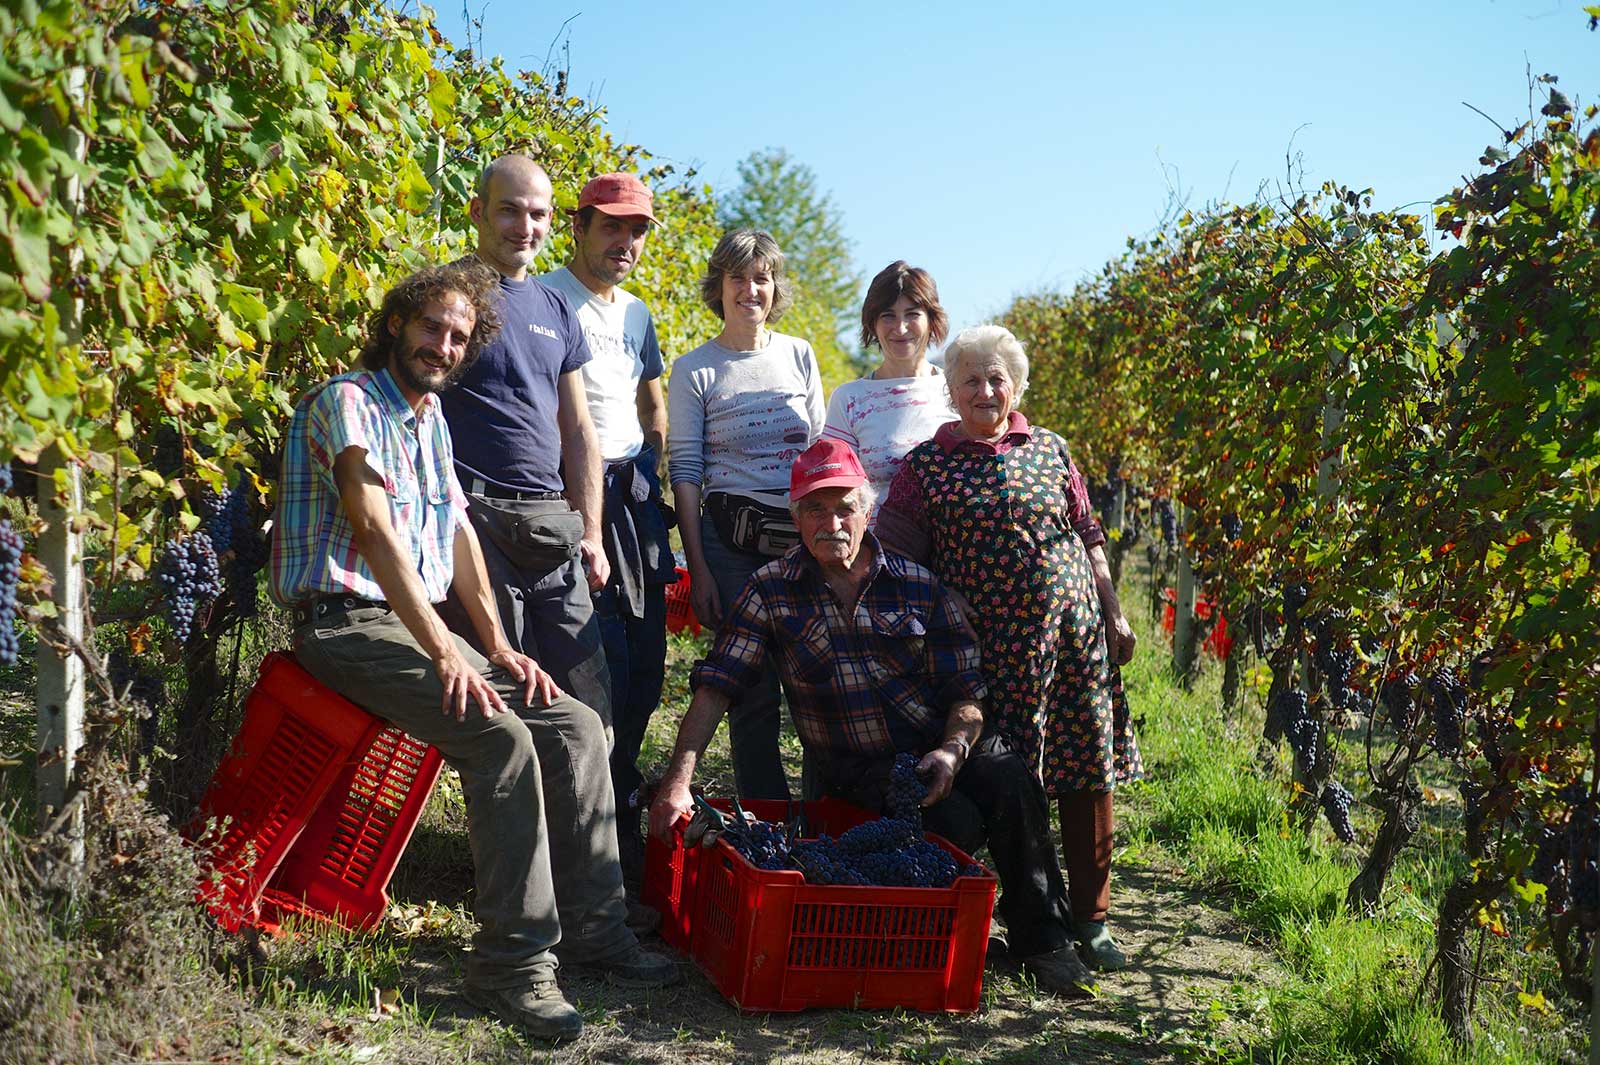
(1189, 982)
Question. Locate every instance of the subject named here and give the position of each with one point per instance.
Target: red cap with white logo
(826, 464)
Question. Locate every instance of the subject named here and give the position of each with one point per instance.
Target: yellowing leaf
(1535, 1001)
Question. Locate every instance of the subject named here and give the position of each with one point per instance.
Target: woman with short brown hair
(901, 402)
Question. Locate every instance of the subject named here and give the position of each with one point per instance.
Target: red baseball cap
(826, 464)
(618, 194)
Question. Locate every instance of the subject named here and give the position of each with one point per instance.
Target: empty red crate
(680, 615)
(296, 739)
(770, 941)
(341, 865)
(1218, 642)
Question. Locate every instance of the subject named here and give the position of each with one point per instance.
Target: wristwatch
(966, 748)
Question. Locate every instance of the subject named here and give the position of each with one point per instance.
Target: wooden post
(1115, 529)
(61, 674)
(1184, 645)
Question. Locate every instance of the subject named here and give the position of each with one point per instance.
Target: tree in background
(780, 195)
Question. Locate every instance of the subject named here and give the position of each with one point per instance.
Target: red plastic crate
(770, 941)
(296, 739)
(680, 615)
(1218, 642)
(339, 869)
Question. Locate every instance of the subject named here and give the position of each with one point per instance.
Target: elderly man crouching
(876, 660)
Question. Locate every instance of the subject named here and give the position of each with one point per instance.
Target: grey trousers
(540, 817)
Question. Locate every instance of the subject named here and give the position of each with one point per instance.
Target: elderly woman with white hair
(996, 507)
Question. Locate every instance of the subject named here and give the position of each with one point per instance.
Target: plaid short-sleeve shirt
(313, 545)
(856, 679)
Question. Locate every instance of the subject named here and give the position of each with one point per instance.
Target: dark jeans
(755, 720)
(996, 799)
(636, 651)
(539, 814)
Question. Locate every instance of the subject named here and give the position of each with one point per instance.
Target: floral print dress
(1002, 534)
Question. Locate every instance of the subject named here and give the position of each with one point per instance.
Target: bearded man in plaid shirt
(876, 659)
(370, 533)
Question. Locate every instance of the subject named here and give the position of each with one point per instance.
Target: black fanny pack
(746, 523)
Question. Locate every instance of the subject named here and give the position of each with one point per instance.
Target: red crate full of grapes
(771, 941)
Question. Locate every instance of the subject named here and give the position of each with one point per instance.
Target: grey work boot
(635, 967)
(1061, 972)
(538, 1009)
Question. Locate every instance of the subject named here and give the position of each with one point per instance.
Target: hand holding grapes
(938, 770)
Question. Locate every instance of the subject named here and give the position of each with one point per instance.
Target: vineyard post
(60, 671)
(1184, 645)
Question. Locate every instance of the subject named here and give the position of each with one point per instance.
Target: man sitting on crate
(370, 533)
(876, 660)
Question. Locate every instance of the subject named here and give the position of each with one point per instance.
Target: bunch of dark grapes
(822, 862)
(10, 575)
(1294, 599)
(222, 513)
(5, 478)
(1547, 857)
(250, 550)
(1395, 694)
(1232, 527)
(885, 852)
(761, 842)
(168, 457)
(1449, 701)
(1336, 800)
(880, 836)
(136, 682)
(189, 579)
(1300, 728)
(906, 790)
(1168, 519)
(1336, 664)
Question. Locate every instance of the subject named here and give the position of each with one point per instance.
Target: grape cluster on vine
(1232, 527)
(1395, 694)
(189, 579)
(1167, 518)
(5, 478)
(1300, 728)
(136, 682)
(10, 576)
(1336, 664)
(906, 790)
(1449, 703)
(168, 457)
(1294, 600)
(1336, 801)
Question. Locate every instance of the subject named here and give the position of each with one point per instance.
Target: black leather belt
(325, 605)
(478, 486)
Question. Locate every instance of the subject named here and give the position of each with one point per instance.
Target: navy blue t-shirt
(502, 414)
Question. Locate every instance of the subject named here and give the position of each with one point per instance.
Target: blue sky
(1010, 147)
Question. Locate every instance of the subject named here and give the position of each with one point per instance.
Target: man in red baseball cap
(877, 660)
(622, 384)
